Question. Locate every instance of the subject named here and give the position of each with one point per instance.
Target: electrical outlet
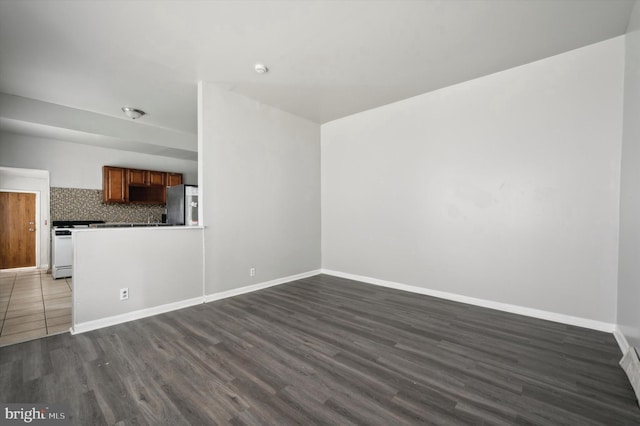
(252, 272)
(124, 293)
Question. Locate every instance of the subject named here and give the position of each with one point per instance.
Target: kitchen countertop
(128, 225)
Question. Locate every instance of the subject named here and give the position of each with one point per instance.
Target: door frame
(38, 222)
(13, 179)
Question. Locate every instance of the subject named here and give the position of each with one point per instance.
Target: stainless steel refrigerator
(182, 205)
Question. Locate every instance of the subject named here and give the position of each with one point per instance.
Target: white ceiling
(327, 59)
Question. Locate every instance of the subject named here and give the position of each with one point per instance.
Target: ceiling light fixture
(261, 69)
(133, 113)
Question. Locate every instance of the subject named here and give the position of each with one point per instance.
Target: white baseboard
(255, 287)
(143, 313)
(22, 269)
(130, 316)
(622, 341)
(515, 309)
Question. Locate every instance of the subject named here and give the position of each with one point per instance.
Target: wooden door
(17, 230)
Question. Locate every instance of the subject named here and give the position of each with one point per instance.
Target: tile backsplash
(86, 204)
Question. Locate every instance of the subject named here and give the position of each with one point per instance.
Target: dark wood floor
(326, 350)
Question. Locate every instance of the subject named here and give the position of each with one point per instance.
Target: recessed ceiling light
(261, 68)
(133, 113)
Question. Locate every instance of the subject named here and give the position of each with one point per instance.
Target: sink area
(128, 225)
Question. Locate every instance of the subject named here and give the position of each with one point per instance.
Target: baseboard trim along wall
(515, 309)
(131, 316)
(41, 268)
(156, 310)
(521, 310)
(622, 341)
(259, 286)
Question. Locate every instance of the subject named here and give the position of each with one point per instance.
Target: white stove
(62, 245)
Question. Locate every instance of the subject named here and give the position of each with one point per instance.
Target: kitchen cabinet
(156, 178)
(114, 185)
(136, 177)
(174, 179)
(123, 185)
(145, 177)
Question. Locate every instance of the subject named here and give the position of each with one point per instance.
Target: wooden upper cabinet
(137, 177)
(114, 187)
(174, 179)
(156, 178)
(121, 185)
(145, 177)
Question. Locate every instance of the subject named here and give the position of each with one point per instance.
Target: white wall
(37, 181)
(73, 165)
(503, 188)
(260, 190)
(629, 272)
(161, 267)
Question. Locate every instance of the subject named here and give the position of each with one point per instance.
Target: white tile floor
(33, 305)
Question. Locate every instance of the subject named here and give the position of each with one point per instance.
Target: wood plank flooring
(326, 350)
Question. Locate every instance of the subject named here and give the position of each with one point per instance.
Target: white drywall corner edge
(259, 286)
(130, 316)
(515, 309)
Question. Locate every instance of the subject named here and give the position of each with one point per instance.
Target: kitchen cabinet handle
(31, 230)
(30, 223)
